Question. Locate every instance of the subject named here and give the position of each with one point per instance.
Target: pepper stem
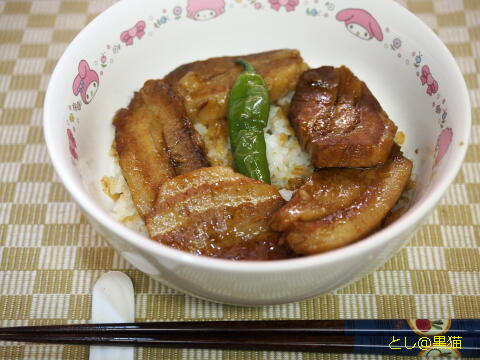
(248, 67)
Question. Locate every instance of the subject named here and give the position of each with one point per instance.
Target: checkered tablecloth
(50, 256)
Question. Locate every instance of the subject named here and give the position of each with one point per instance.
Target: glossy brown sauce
(213, 211)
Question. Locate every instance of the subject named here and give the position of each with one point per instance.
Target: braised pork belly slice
(338, 206)
(155, 141)
(338, 120)
(204, 87)
(217, 212)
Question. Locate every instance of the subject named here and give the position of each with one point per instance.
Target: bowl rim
(363, 246)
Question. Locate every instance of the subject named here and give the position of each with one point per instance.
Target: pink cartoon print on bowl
(427, 78)
(289, 5)
(361, 24)
(86, 82)
(137, 31)
(443, 143)
(205, 9)
(72, 144)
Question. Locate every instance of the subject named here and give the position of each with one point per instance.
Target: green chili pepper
(248, 109)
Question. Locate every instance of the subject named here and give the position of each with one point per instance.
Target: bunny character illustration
(361, 24)
(443, 143)
(205, 9)
(86, 82)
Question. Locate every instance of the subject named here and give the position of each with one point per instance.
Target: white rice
(286, 160)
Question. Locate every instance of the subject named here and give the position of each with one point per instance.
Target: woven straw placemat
(50, 256)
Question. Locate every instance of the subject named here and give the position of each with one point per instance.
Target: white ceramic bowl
(405, 65)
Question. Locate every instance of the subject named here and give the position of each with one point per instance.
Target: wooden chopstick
(347, 336)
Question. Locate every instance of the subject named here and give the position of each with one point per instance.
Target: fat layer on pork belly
(338, 206)
(217, 212)
(155, 141)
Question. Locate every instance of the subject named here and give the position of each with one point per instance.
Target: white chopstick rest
(113, 301)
